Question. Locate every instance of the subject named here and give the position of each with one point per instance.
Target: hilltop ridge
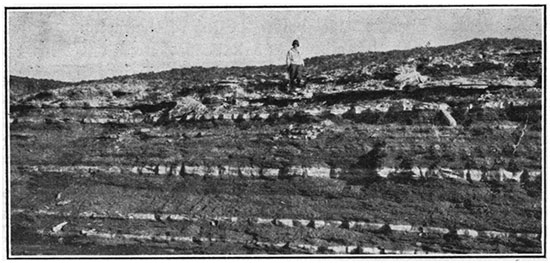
(516, 57)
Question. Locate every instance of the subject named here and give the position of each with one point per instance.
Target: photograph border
(266, 256)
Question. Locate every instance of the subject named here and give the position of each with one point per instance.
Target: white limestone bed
(289, 222)
(309, 248)
(314, 171)
(356, 110)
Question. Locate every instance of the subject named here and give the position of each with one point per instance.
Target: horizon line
(264, 65)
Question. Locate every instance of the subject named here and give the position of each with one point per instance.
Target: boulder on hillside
(448, 118)
(408, 76)
(185, 106)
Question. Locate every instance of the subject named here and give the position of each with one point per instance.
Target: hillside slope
(424, 151)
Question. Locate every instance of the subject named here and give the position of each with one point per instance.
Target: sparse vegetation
(351, 127)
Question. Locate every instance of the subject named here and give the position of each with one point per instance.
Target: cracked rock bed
(361, 160)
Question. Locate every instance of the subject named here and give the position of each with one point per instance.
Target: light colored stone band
(286, 222)
(316, 171)
(291, 245)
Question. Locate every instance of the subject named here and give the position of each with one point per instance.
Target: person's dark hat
(295, 42)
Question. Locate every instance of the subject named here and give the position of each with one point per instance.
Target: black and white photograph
(274, 132)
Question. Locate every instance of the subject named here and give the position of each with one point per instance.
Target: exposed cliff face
(441, 146)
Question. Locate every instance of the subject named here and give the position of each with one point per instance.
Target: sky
(74, 45)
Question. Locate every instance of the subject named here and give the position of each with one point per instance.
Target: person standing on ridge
(295, 65)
